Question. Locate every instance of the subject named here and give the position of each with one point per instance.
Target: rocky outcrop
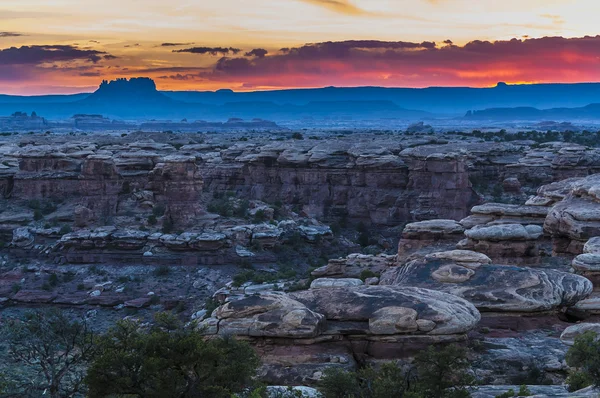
(501, 213)
(299, 335)
(505, 243)
(576, 218)
(493, 288)
(268, 315)
(569, 335)
(428, 235)
(354, 265)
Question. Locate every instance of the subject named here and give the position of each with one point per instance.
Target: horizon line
(497, 85)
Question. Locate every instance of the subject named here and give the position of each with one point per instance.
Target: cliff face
(379, 180)
(371, 182)
(106, 182)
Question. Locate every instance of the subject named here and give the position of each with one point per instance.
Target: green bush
(167, 225)
(162, 270)
(159, 210)
(65, 229)
(584, 357)
(152, 219)
(169, 360)
(367, 273)
(441, 373)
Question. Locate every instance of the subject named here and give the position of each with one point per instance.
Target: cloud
(209, 50)
(416, 64)
(33, 55)
(257, 52)
(339, 6)
(10, 34)
(175, 44)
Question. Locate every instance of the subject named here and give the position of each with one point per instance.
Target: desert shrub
(167, 225)
(367, 273)
(260, 216)
(584, 358)
(441, 373)
(126, 188)
(162, 270)
(169, 360)
(65, 229)
(48, 353)
(159, 210)
(152, 219)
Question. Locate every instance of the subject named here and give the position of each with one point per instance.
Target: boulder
(22, 237)
(428, 234)
(505, 232)
(493, 288)
(447, 314)
(268, 315)
(569, 334)
(326, 283)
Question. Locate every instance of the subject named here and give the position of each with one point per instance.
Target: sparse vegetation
(441, 373)
(169, 360)
(584, 359)
(51, 352)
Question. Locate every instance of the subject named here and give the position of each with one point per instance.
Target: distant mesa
(135, 91)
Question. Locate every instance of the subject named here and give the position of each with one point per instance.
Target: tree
(169, 360)
(584, 357)
(436, 374)
(54, 351)
(442, 373)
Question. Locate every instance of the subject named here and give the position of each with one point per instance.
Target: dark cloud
(478, 62)
(175, 44)
(10, 34)
(180, 77)
(257, 52)
(89, 74)
(32, 55)
(210, 50)
(109, 57)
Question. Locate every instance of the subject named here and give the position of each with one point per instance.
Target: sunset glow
(70, 46)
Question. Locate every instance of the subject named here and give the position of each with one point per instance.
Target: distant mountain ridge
(138, 98)
(588, 112)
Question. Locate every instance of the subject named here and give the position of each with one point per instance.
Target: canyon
(322, 249)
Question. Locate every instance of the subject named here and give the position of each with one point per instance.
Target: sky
(69, 46)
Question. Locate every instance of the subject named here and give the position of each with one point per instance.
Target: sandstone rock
(393, 320)
(511, 184)
(432, 229)
(576, 218)
(372, 281)
(313, 233)
(292, 392)
(83, 216)
(592, 245)
(451, 314)
(569, 334)
(452, 273)
(354, 264)
(426, 234)
(505, 243)
(504, 232)
(327, 283)
(268, 314)
(587, 262)
(22, 237)
(494, 288)
(466, 258)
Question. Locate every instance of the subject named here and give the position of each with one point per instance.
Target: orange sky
(65, 46)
